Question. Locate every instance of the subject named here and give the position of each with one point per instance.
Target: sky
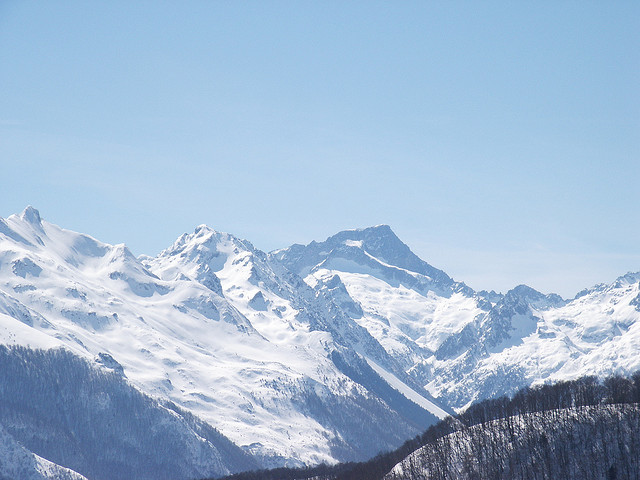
(499, 140)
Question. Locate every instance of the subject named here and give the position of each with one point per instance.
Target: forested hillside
(577, 429)
(587, 442)
(92, 421)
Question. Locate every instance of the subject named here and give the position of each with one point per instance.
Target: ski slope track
(324, 352)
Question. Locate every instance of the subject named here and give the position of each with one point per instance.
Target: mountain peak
(206, 248)
(629, 278)
(32, 216)
(525, 291)
(383, 229)
(379, 242)
(204, 229)
(206, 236)
(534, 297)
(375, 231)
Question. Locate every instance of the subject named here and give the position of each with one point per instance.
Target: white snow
(398, 316)
(595, 334)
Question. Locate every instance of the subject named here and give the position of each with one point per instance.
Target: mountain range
(326, 352)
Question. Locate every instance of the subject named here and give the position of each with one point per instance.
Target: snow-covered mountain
(220, 329)
(463, 345)
(331, 351)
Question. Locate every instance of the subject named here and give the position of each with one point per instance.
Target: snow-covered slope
(408, 305)
(297, 325)
(215, 326)
(527, 342)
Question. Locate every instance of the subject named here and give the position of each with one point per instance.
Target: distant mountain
(463, 345)
(375, 247)
(327, 352)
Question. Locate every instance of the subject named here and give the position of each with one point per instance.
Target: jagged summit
(525, 291)
(630, 278)
(533, 296)
(31, 215)
(26, 228)
(203, 239)
(202, 255)
(380, 230)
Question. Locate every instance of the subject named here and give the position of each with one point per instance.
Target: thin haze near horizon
(499, 140)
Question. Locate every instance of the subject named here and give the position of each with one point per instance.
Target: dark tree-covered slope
(93, 422)
(599, 442)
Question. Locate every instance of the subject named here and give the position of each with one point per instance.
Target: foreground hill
(589, 442)
(571, 430)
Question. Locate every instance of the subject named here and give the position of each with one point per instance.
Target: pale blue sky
(500, 140)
